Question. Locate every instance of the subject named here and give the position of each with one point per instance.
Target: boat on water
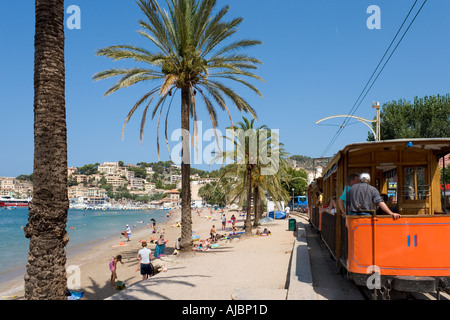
(8, 201)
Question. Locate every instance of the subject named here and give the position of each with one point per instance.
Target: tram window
(415, 187)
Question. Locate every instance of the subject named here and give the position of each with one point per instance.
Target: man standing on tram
(362, 195)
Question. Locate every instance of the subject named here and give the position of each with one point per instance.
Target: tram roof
(440, 146)
(437, 145)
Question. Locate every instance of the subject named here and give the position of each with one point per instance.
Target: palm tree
(46, 228)
(272, 183)
(192, 58)
(246, 158)
(259, 167)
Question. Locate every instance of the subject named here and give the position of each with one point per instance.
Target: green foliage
(427, 117)
(159, 167)
(139, 172)
(88, 169)
(24, 177)
(214, 193)
(192, 51)
(445, 178)
(297, 180)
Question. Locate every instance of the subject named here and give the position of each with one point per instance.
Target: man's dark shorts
(146, 269)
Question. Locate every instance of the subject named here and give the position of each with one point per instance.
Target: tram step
(414, 284)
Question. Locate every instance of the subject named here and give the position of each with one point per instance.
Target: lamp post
(376, 133)
(293, 199)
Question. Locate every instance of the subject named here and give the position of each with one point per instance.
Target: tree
(214, 193)
(445, 178)
(245, 157)
(298, 181)
(88, 169)
(45, 278)
(254, 171)
(189, 60)
(270, 184)
(425, 118)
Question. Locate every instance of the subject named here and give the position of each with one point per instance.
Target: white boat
(8, 201)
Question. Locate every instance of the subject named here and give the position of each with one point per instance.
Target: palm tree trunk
(46, 228)
(257, 206)
(186, 217)
(248, 218)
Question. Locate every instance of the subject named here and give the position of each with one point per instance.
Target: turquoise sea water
(83, 227)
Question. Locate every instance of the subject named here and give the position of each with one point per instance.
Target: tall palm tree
(192, 57)
(246, 158)
(270, 183)
(259, 167)
(46, 228)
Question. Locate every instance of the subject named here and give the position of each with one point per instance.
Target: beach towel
(159, 250)
(75, 295)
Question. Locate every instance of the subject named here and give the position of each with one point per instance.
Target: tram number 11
(409, 240)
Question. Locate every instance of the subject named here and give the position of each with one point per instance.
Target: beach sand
(259, 263)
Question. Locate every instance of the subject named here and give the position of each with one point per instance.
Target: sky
(317, 57)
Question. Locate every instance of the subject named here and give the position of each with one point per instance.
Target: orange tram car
(410, 254)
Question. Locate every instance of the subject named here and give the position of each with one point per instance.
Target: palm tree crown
(188, 40)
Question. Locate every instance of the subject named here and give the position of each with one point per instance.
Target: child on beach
(113, 268)
(212, 232)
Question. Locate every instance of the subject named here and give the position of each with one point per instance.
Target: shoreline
(250, 260)
(12, 282)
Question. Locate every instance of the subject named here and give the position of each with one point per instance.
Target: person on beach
(145, 266)
(113, 268)
(233, 221)
(224, 221)
(212, 233)
(160, 246)
(127, 233)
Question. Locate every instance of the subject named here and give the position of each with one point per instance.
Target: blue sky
(317, 56)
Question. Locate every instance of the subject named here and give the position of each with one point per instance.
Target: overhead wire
(356, 104)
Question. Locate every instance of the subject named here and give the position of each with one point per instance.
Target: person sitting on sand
(205, 245)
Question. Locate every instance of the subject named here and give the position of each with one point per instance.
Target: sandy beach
(257, 262)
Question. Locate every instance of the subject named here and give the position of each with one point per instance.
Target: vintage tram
(411, 254)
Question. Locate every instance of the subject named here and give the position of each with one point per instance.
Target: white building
(108, 167)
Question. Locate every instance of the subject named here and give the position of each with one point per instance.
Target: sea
(85, 227)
